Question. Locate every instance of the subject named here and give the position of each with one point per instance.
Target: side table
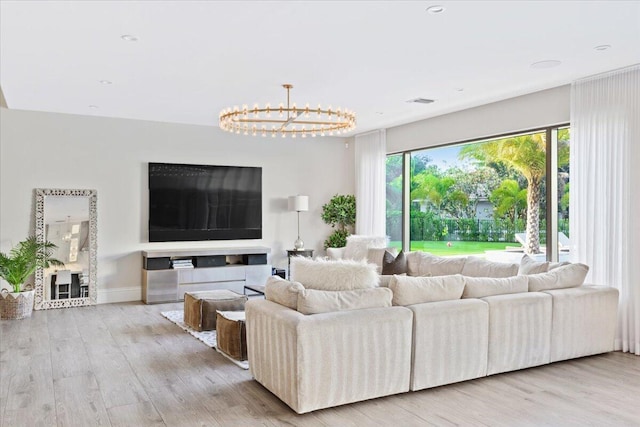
(308, 253)
(256, 289)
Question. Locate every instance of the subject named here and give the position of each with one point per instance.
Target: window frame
(551, 181)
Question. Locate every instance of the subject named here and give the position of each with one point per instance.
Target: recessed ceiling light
(549, 63)
(106, 82)
(435, 9)
(129, 38)
(603, 47)
(93, 106)
(421, 100)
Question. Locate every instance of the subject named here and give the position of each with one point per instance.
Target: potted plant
(16, 267)
(339, 213)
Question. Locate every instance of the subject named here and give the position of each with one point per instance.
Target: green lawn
(456, 248)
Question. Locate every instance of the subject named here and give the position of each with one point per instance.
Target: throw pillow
(357, 246)
(386, 279)
(311, 301)
(478, 287)
(283, 292)
(432, 265)
(333, 275)
(553, 265)
(567, 276)
(413, 263)
(528, 265)
(479, 267)
(376, 256)
(409, 290)
(394, 264)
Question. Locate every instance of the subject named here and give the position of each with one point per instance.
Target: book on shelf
(182, 263)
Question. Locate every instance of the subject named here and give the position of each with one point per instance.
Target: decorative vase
(16, 305)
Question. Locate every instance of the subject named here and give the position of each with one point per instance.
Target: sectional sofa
(340, 333)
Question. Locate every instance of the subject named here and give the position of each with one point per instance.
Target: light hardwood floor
(125, 365)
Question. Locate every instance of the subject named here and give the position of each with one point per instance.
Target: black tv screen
(204, 202)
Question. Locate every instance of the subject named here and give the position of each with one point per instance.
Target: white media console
(219, 268)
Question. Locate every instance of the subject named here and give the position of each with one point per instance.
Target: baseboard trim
(107, 296)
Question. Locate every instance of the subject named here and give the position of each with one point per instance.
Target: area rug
(207, 337)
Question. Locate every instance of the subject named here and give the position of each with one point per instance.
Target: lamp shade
(299, 203)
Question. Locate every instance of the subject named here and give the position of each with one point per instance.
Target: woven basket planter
(16, 305)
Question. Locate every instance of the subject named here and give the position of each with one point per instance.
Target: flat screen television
(204, 202)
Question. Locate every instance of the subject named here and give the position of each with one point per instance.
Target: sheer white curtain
(370, 152)
(605, 189)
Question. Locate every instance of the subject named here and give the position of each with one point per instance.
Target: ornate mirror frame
(40, 302)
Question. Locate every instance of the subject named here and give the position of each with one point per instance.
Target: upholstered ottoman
(200, 307)
(231, 334)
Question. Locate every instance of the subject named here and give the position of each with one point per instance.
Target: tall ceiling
(192, 59)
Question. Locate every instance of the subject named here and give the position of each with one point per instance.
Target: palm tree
(527, 155)
(509, 199)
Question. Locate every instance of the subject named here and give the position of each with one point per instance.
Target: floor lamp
(298, 204)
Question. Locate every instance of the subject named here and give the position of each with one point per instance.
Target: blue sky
(444, 157)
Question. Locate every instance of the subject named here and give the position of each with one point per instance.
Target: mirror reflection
(67, 218)
(67, 226)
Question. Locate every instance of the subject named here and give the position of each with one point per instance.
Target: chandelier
(287, 120)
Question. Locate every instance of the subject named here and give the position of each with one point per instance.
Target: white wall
(48, 150)
(544, 108)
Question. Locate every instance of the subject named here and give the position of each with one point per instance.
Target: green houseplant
(16, 267)
(340, 214)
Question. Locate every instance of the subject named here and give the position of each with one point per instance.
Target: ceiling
(192, 59)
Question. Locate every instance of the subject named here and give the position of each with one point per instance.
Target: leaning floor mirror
(67, 218)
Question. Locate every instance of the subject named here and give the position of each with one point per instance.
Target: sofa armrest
(335, 253)
(324, 360)
(584, 321)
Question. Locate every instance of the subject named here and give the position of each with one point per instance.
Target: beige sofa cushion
(530, 266)
(283, 292)
(358, 246)
(311, 301)
(553, 265)
(333, 275)
(409, 290)
(426, 264)
(413, 263)
(479, 267)
(478, 287)
(566, 276)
